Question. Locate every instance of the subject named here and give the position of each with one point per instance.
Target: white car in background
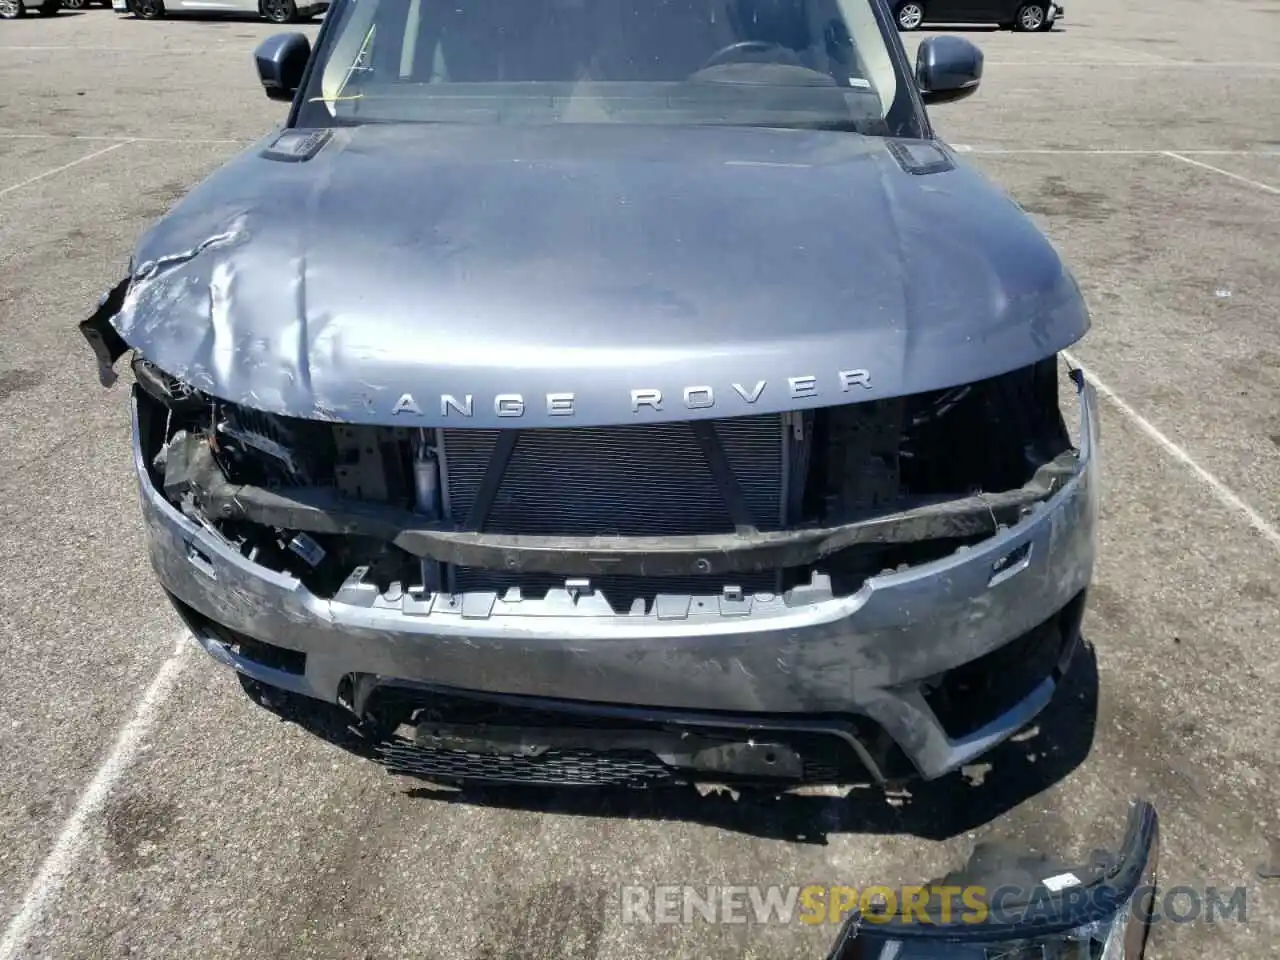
(13, 9)
(277, 11)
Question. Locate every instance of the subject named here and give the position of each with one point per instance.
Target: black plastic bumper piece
(191, 465)
(106, 344)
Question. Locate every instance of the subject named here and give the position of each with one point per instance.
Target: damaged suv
(617, 391)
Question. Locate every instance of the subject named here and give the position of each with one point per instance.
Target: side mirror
(282, 60)
(947, 68)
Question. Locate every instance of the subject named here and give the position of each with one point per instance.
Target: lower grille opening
(974, 694)
(565, 768)
(264, 654)
(610, 751)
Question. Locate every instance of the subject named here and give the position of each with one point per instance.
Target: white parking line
(1220, 490)
(1154, 64)
(227, 46)
(1226, 173)
(121, 140)
(71, 839)
(1107, 151)
(65, 166)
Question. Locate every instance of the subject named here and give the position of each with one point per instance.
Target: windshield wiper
(839, 125)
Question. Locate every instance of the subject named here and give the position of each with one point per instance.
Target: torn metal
(97, 329)
(190, 467)
(845, 491)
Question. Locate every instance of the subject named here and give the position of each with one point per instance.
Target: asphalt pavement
(150, 809)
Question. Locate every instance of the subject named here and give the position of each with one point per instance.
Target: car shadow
(230, 16)
(1013, 773)
(973, 28)
(957, 28)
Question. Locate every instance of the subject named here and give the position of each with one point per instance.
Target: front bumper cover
(786, 658)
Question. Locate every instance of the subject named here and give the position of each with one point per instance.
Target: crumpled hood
(409, 274)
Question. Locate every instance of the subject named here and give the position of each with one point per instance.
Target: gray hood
(731, 270)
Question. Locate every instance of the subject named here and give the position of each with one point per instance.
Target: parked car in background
(277, 11)
(13, 9)
(83, 4)
(1008, 14)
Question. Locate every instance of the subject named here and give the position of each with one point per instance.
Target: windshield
(788, 63)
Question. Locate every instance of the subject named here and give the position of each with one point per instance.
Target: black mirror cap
(948, 68)
(282, 60)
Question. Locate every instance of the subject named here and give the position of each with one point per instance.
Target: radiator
(632, 480)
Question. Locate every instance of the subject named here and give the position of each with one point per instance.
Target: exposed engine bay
(756, 504)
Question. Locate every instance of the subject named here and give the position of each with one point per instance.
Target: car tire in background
(148, 9)
(11, 9)
(909, 14)
(278, 11)
(1032, 16)
(50, 7)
